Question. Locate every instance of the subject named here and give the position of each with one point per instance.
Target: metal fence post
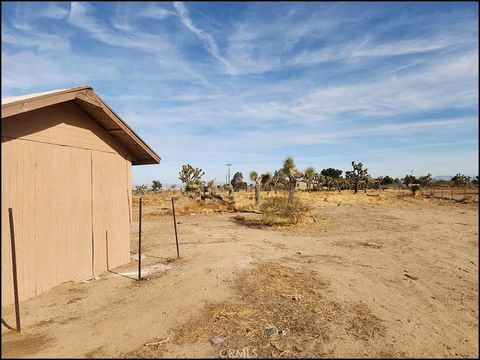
(140, 241)
(14, 268)
(175, 226)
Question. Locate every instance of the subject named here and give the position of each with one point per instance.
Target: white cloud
(43, 42)
(25, 16)
(169, 60)
(284, 97)
(27, 70)
(205, 37)
(371, 48)
(126, 15)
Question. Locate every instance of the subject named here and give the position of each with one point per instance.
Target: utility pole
(228, 172)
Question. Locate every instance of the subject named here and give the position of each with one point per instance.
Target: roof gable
(86, 98)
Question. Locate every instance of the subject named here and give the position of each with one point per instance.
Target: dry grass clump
(271, 296)
(291, 301)
(278, 210)
(160, 204)
(192, 206)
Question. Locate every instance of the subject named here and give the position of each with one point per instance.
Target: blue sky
(393, 85)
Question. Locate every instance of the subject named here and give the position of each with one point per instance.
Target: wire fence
(452, 193)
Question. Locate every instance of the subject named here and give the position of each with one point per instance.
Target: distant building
(301, 185)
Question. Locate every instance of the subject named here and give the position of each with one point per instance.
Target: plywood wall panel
(62, 197)
(50, 210)
(23, 189)
(129, 188)
(7, 284)
(18, 179)
(78, 214)
(110, 211)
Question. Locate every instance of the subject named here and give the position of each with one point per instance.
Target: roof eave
(86, 98)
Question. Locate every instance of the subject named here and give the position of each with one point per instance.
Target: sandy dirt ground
(377, 275)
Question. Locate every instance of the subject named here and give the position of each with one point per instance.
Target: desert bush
(279, 209)
(237, 182)
(156, 185)
(461, 180)
(140, 189)
(414, 188)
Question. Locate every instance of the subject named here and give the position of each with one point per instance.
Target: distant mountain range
(442, 177)
(448, 177)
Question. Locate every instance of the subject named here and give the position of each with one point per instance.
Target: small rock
(285, 332)
(271, 331)
(297, 297)
(299, 252)
(217, 340)
(239, 218)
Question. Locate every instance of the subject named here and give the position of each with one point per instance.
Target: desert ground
(377, 274)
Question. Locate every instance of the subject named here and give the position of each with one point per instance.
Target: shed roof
(86, 98)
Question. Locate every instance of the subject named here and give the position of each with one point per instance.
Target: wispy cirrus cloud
(24, 14)
(166, 55)
(205, 37)
(250, 83)
(128, 13)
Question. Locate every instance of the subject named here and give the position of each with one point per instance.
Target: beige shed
(66, 173)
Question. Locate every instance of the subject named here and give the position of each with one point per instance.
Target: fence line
(451, 193)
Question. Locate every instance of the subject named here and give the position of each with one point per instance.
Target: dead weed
(292, 302)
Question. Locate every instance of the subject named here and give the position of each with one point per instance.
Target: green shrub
(414, 189)
(278, 210)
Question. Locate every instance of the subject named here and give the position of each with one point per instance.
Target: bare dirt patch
(24, 346)
(338, 284)
(282, 312)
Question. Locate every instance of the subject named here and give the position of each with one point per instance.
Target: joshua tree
(329, 182)
(357, 175)
(368, 182)
(257, 179)
(156, 185)
(237, 181)
(191, 177)
(341, 183)
(266, 180)
(277, 179)
(308, 175)
(425, 181)
(141, 189)
(461, 180)
(211, 187)
(409, 179)
(387, 180)
(293, 175)
(318, 181)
